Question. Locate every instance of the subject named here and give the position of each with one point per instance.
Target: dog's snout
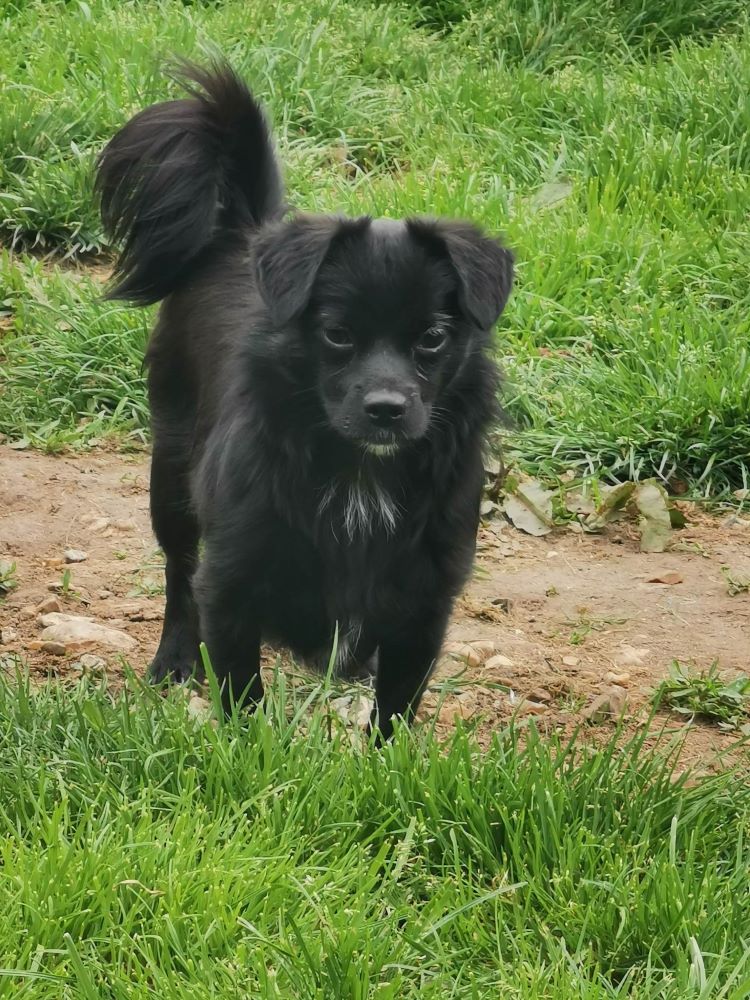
(385, 407)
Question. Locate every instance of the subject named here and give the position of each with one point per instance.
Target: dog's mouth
(381, 449)
(382, 444)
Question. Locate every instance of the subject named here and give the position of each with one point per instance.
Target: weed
(586, 624)
(8, 578)
(706, 694)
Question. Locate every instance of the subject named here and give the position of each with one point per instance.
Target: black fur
(320, 389)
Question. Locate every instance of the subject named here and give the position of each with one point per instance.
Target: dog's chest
(355, 510)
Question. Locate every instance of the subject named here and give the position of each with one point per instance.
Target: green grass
(707, 695)
(608, 141)
(146, 854)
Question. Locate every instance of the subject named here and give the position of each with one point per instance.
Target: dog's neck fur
(363, 504)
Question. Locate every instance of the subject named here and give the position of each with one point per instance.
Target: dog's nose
(385, 407)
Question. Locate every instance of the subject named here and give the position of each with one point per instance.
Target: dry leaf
(529, 507)
(614, 499)
(654, 524)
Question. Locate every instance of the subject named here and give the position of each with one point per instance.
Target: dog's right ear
(288, 256)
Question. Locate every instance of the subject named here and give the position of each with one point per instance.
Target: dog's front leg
(406, 657)
(231, 631)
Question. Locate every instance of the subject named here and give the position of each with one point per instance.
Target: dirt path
(571, 616)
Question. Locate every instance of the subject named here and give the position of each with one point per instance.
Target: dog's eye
(432, 341)
(338, 339)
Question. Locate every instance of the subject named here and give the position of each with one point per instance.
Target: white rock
(75, 555)
(498, 661)
(77, 629)
(355, 710)
(92, 662)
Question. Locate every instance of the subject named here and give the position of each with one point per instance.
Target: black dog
(319, 389)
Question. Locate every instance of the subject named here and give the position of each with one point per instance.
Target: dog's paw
(177, 661)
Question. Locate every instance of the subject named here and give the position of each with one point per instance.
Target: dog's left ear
(484, 268)
(288, 256)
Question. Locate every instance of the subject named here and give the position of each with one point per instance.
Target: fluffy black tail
(182, 173)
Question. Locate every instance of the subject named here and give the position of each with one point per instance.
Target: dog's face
(387, 313)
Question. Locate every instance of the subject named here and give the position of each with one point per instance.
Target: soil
(572, 617)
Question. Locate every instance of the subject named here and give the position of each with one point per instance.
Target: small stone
(104, 595)
(732, 521)
(611, 705)
(124, 524)
(8, 635)
(498, 661)
(75, 555)
(614, 678)
(630, 656)
(527, 707)
(27, 611)
(199, 708)
(92, 662)
(77, 630)
(540, 694)
(142, 614)
(463, 707)
(353, 709)
(453, 648)
(468, 654)
(53, 648)
(485, 647)
(571, 661)
(48, 606)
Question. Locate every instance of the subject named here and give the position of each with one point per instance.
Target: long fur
(180, 174)
(320, 388)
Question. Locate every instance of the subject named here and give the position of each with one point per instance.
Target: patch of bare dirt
(563, 629)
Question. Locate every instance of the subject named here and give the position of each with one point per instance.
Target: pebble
(463, 707)
(613, 678)
(77, 630)
(571, 661)
(124, 524)
(630, 656)
(53, 648)
(732, 521)
(48, 606)
(8, 635)
(485, 647)
(611, 704)
(75, 555)
(104, 595)
(92, 662)
(353, 709)
(497, 661)
(27, 611)
(468, 654)
(527, 707)
(540, 694)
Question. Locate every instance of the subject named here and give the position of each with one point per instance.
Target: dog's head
(388, 313)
